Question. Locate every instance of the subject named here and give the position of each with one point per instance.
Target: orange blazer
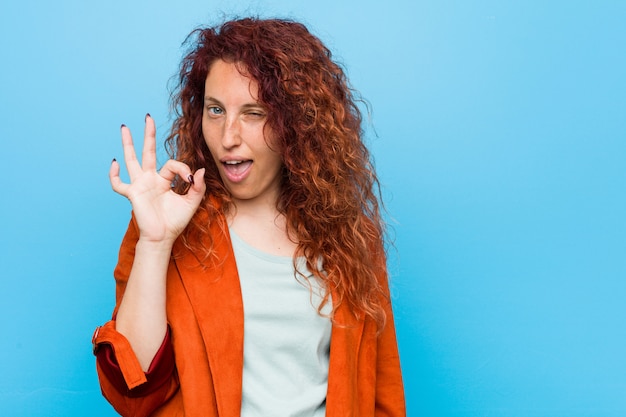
(205, 315)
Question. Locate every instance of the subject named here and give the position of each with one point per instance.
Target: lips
(236, 170)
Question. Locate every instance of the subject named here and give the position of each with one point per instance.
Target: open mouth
(236, 170)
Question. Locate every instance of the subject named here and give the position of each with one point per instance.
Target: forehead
(228, 80)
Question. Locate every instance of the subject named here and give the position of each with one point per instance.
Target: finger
(197, 184)
(198, 181)
(130, 158)
(148, 158)
(172, 168)
(116, 183)
(197, 189)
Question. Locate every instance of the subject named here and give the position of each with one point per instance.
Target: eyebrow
(213, 100)
(208, 99)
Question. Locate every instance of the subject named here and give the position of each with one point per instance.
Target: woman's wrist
(155, 247)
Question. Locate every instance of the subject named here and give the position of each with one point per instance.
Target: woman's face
(233, 126)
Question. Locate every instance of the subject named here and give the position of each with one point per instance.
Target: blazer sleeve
(124, 384)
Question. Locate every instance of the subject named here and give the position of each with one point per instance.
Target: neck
(262, 226)
(258, 209)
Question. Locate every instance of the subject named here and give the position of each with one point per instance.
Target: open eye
(215, 110)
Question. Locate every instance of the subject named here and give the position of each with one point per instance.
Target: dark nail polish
(122, 126)
(147, 115)
(114, 160)
(190, 179)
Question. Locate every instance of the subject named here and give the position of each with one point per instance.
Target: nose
(231, 136)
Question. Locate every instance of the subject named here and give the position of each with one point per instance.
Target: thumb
(198, 186)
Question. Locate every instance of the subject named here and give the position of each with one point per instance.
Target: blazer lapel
(347, 332)
(215, 296)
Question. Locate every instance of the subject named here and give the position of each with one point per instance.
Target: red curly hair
(329, 191)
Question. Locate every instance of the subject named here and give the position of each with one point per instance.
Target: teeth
(233, 162)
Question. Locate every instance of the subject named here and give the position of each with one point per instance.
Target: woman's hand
(161, 213)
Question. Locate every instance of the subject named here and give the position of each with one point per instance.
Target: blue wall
(500, 140)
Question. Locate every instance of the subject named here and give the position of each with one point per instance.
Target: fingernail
(122, 126)
(190, 179)
(147, 115)
(114, 160)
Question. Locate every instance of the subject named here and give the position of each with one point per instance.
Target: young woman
(252, 279)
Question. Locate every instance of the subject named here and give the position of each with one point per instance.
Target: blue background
(499, 133)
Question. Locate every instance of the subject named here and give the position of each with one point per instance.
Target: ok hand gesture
(161, 213)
